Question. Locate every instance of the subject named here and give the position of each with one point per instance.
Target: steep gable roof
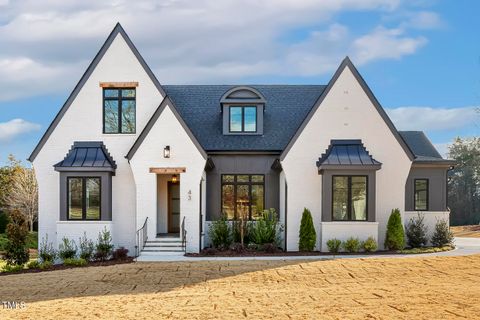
(347, 63)
(166, 102)
(285, 108)
(98, 57)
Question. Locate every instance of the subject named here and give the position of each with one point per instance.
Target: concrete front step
(157, 254)
(164, 240)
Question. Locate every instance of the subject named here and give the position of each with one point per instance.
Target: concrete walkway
(464, 247)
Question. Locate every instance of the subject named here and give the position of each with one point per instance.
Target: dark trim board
(166, 102)
(98, 57)
(348, 63)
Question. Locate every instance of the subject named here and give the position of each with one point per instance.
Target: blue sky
(420, 58)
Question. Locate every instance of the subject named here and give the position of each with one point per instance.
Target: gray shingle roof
(421, 147)
(285, 109)
(87, 155)
(346, 153)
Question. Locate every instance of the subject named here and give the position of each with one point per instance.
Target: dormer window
(243, 118)
(242, 109)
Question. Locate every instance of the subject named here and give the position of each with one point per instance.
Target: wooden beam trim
(168, 170)
(118, 84)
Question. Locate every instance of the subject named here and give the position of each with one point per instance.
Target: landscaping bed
(210, 252)
(57, 267)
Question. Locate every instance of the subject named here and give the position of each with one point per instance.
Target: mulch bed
(57, 267)
(255, 253)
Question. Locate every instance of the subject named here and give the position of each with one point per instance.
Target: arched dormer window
(242, 109)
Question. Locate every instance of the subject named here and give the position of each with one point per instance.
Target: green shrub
(34, 264)
(370, 245)
(46, 252)
(416, 232)
(104, 246)
(32, 240)
(220, 234)
(12, 268)
(264, 230)
(87, 248)
(72, 262)
(334, 245)
(442, 235)
(3, 242)
(236, 231)
(352, 245)
(3, 221)
(16, 251)
(45, 265)
(307, 236)
(395, 237)
(67, 249)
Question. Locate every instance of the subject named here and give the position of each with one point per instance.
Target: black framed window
(243, 195)
(119, 114)
(349, 198)
(84, 198)
(243, 119)
(421, 194)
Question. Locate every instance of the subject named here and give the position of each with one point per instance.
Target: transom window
(243, 119)
(243, 195)
(421, 194)
(84, 199)
(349, 195)
(119, 110)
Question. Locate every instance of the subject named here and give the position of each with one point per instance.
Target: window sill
(119, 134)
(349, 222)
(84, 222)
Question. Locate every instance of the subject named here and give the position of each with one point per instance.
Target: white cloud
(433, 119)
(13, 128)
(442, 148)
(424, 20)
(385, 43)
(192, 41)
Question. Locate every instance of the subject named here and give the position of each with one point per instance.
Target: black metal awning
(347, 154)
(87, 156)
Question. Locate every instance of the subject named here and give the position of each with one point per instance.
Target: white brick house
(127, 153)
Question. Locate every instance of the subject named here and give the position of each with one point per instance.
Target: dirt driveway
(412, 288)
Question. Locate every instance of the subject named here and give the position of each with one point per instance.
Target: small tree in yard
(416, 232)
(23, 194)
(308, 236)
(442, 235)
(395, 237)
(104, 247)
(17, 232)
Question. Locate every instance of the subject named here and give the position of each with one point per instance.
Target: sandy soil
(398, 288)
(466, 231)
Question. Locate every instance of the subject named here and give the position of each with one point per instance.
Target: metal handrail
(142, 237)
(184, 236)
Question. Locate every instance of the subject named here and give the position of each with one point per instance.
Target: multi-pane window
(349, 198)
(119, 110)
(84, 200)
(243, 119)
(243, 195)
(421, 194)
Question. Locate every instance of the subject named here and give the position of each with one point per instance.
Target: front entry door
(173, 207)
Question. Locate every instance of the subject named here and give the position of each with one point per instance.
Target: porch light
(166, 152)
(174, 178)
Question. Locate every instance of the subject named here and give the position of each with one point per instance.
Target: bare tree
(23, 195)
